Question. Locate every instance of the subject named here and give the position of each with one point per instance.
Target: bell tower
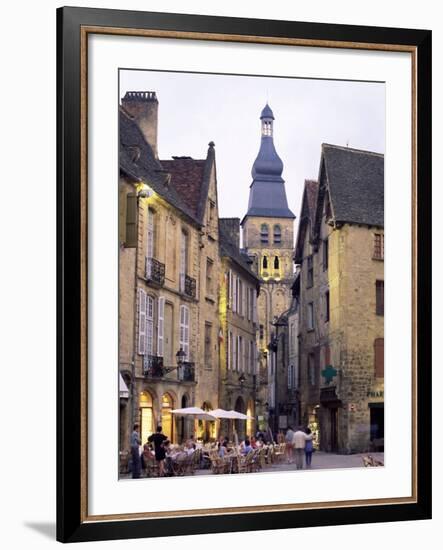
(268, 231)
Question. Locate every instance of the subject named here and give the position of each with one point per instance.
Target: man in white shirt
(299, 442)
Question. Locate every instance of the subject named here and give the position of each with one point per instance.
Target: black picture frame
(71, 524)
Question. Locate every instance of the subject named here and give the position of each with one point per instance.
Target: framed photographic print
(244, 272)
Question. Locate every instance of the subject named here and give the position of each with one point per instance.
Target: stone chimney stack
(231, 227)
(143, 106)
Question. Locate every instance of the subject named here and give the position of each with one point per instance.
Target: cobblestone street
(320, 461)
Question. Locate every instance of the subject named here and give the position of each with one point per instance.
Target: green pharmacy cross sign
(328, 373)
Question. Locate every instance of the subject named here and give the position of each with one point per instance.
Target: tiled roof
(138, 161)
(187, 178)
(230, 249)
(311, 189)
(355, 180)
(307, 216)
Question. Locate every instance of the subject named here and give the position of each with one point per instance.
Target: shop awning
(124, 391)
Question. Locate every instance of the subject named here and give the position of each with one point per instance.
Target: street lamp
(242, 380)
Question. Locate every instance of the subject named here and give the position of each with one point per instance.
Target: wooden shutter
(150, 234)
(228, 359)
(184, 330)
(234, 353)
(160, 326)
(379, 357)
(131, 220)
(141, 322)
(149, 324)
(380, 297)
(234, 295)
(327, 356)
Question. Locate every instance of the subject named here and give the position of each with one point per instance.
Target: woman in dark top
(158, 439)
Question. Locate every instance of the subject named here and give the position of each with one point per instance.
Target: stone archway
(240, 425)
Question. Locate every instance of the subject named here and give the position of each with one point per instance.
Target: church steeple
(267, 196)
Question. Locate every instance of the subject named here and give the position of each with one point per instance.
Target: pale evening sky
(195, 109)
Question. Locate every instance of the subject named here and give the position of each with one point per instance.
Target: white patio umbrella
(196, 412)
(240, 416)
(231, 415)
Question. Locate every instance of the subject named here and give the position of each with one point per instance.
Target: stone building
(340, 251)
(168, 235)
(239, 287)
(268, 239)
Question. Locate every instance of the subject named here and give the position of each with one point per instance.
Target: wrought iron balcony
(188, 285)
(153, 367)
(186, 372)
(155, 271)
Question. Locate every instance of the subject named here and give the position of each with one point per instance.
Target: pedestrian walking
(309, 447)
(289, 436)
(135, 453)
(158, 439)
(299, 442)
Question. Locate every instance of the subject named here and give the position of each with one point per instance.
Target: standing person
(135, 453)
(158, 439)
(299, 442)
(289, 445)
(309, 446)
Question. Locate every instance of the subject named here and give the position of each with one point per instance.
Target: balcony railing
(154, 368)
(186, 373)
(188, 285)
(155, 271)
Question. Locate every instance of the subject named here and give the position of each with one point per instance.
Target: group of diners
(158, 454)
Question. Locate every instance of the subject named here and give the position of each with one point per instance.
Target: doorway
(334, 424)
(377, 420)
(166, 423)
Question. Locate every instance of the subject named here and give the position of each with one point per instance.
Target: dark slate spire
(267, 196)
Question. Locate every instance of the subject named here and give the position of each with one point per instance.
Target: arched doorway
(240, 425)
(146, 416)
(206, 428)
(183, 422)
(166, 416)
(250, 427)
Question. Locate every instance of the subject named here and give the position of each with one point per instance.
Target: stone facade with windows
(239, 287)
(340, 251)
(164, 227)
(268, 239)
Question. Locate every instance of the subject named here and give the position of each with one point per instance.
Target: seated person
(246, 447)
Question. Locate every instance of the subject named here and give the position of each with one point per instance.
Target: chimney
(231, 227)
(143, 107)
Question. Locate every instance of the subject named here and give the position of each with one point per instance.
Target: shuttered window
(229, 359)
(208, 346)
(149, 324)
(141, 322)
(234, 294)
(327, 356)
(184, 330)
(379, 357)
(234, 353)
(150, 238)
(160, 326)
(131, 220)
(380, 297)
